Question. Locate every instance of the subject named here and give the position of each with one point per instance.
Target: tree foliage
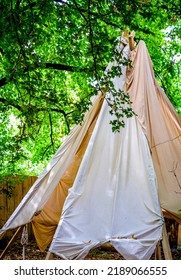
(51, 55)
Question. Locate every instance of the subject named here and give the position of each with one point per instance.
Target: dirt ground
(32, 252)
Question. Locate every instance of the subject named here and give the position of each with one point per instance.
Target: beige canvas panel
(161, 125)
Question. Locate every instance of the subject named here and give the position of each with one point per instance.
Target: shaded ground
(102, 253)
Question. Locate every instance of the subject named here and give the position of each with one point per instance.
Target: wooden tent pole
(2, 235)
(166, 245)
(49, 256)
(158, 251)
(179, 236)
(11, 242)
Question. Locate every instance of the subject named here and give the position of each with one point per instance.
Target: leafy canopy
(51, 55)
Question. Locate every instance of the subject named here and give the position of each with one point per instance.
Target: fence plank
(8, 205)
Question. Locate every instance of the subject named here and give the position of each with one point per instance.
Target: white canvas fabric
(114, 197)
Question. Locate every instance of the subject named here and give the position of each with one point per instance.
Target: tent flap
(161, 125)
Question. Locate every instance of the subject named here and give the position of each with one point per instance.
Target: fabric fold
(161, 125)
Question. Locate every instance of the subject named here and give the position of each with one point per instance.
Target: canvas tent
(104, 187)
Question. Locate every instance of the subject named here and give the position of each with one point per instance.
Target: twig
(51, 131)
(174, 173)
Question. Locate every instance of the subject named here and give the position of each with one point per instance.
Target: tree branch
(96, 15)
(56, 66)
(79, 10)
(91, 35)
(10, 103)
(33, 108)
(51, 131)
(36, 109)
(63, 67)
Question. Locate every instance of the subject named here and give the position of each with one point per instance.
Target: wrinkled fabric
(40, 192)
(114, 196)
(44, 225)
(161, 125)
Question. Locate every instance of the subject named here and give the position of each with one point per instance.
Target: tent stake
(11, 242)
(166, 245)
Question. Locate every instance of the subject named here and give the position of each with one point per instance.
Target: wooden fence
(20, 187)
